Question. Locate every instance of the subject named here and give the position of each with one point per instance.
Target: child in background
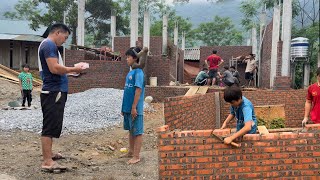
(25, 82)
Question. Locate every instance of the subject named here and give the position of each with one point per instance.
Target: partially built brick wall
(203, 109)
(266, 57)
(198, 155)
(190, 112)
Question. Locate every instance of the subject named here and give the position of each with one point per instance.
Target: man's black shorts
(52, 105)
(213, 73)
(249, 76)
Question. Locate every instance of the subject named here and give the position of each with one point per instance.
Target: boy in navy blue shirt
(243, 110)
(132, 106)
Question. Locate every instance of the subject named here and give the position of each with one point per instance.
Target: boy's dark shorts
(213, 73)
(249, 76)
(135, 127)
(52, 105)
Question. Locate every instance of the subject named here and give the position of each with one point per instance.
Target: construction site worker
(227, 77)
(241, 109)
(235, 74)
(312, 105)
(25, 82)
(202, 77)
(250, 68)
(214, 62)
(54, 92)
(132, 106)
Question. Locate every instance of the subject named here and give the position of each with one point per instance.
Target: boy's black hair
(226, 67)
(214, 51)
(232, 93)
(204, 69)
(233, 67)
(25, 66)
(318, 71)
(133, 51)
(59, 26)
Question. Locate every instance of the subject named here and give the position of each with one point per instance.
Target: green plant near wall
(273, 124)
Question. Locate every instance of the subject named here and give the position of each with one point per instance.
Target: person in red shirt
(214, 62)
(313, 102)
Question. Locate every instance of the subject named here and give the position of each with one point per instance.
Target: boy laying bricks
(132, 106)
(313, 102)
(243, 110)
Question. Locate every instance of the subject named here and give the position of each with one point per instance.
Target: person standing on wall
(250, 68)
(214, 62)
(312, 105)
(54, 92)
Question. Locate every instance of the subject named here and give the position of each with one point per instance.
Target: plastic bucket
(153, 81)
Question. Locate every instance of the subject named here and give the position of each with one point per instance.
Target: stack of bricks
(196, 154)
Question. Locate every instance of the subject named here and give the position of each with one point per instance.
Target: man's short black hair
(25, 66)
(318, 71)
(133, 51)
(214, 51)
(59, 26)
(232, 93)
(226, 67)
(233, 67)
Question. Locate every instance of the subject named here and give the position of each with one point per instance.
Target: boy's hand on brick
(134, 113)
(227, 140)
(304, 121)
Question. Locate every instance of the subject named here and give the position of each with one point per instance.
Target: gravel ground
(85, 111)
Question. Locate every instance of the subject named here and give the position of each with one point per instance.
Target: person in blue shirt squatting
(54, 92)
(132, 106)
(243, 110)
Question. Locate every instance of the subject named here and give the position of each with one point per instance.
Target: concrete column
(254, 40)
(287, 24)
(134, 24)
(306, 75)
(275, 39)
(113, 28)
(262, 27)
(81, 9)
(319, 58)
(164, 34)
(183, 41)
(146, 29)
(176, 34)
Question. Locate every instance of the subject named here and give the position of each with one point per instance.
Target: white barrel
(153, 81)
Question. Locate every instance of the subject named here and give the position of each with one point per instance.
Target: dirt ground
(88, 156)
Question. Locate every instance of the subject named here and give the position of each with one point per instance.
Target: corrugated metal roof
(17, 37)
(192, 54)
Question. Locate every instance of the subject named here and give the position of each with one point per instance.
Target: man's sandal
(55, 168)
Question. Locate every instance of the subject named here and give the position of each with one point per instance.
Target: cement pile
(84, 112)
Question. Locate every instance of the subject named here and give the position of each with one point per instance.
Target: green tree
(98, 13)
(220, 32)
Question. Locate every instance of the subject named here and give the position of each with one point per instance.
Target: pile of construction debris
(85, 111)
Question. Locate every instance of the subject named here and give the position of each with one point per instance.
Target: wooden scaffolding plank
(192, 91)
(202, 90)
(263, 130)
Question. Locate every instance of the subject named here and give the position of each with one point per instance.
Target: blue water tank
(299, 47)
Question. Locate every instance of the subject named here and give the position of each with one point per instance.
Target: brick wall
(279, 59)
(198, 155)
(266, 57)
(101, 74)
(190, 112)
